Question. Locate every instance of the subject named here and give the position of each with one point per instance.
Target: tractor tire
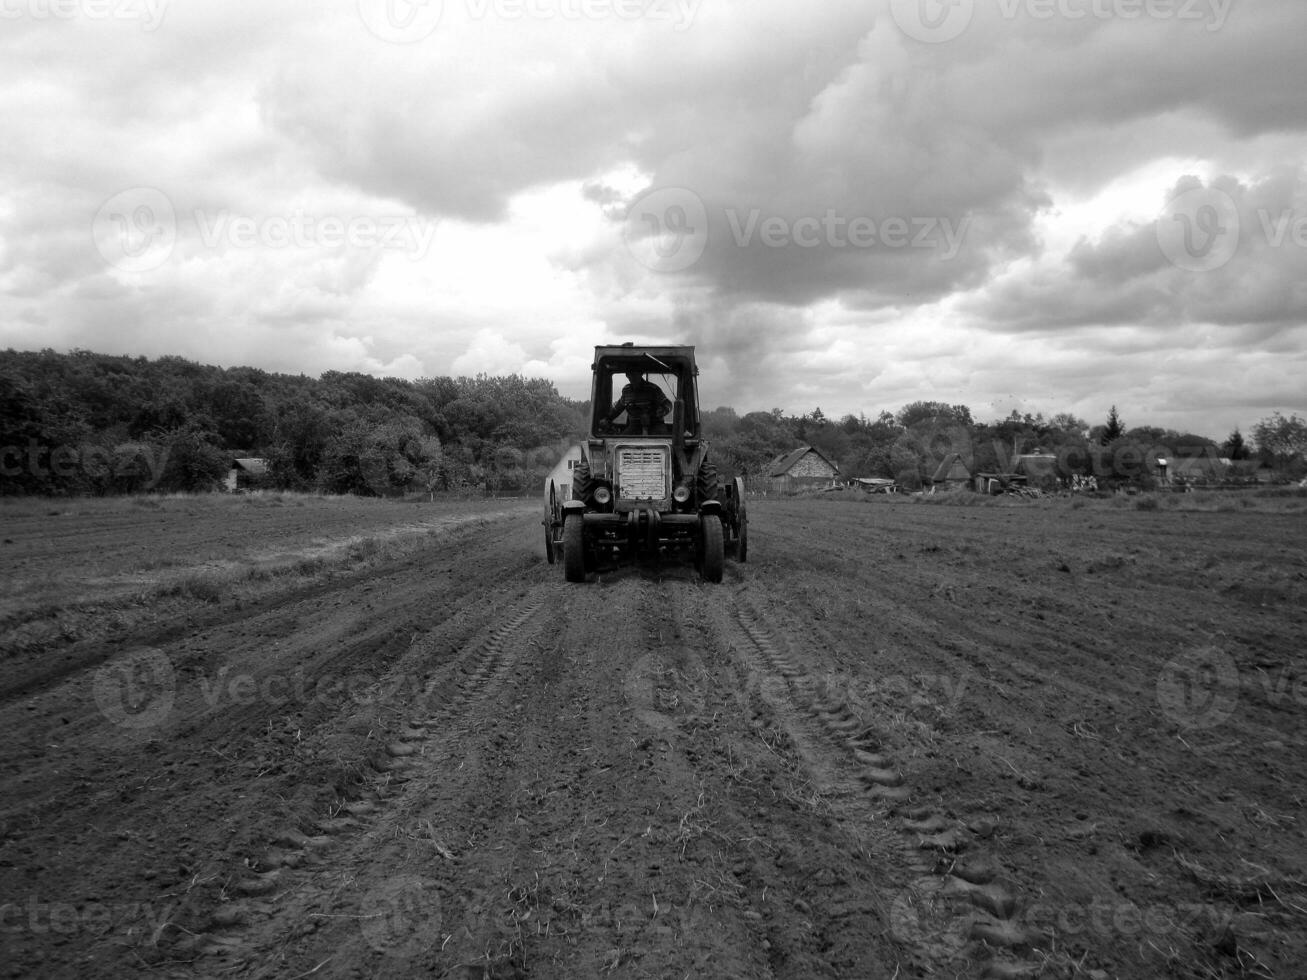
(583, 484)
(741, 521)
(706, 483)
(551, 514)
(574, 549)
(712, 553)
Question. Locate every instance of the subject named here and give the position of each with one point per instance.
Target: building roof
(782, 464)
(250, 464)
(951, 467)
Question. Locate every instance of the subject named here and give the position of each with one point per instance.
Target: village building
(245, 473)
(561, 475)
(803, 469)
(952, 473)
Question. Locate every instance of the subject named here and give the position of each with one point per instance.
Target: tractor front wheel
(711, 549)
(574, 549)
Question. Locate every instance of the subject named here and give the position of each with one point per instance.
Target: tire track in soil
(850, 858)
(955, 910)
(961, 907)
(584, 868)
(299, 880)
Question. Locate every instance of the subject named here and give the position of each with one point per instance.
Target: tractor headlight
(602, 496)
(681, 494)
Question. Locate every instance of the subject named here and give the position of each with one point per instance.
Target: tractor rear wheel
(574, 549)
(711, 549)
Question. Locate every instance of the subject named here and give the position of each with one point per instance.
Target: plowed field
(903, 740)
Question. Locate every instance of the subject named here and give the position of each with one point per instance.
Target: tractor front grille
(642, 473)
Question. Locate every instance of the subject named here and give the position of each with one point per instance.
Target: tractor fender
(573, 507)
(711, 507)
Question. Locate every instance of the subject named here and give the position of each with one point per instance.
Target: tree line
(908, 445)
(95, 423)
(83, 422)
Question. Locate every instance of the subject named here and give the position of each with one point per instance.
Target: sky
(1039, 205)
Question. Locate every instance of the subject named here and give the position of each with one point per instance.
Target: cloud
(883, 219)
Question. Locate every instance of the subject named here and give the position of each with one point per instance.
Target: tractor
(643, 488)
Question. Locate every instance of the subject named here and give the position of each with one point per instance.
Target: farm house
(561, 474)
(952, 473)
(245, 473)
(803, 469)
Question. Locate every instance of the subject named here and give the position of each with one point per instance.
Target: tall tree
(1283, 439)
(1234, 447)
(1114, 429)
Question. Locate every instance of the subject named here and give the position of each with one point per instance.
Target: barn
(804, 468)
(245, 473)
(561, 475)
(952, 472)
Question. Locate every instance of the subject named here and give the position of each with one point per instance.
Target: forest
(89, 423)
